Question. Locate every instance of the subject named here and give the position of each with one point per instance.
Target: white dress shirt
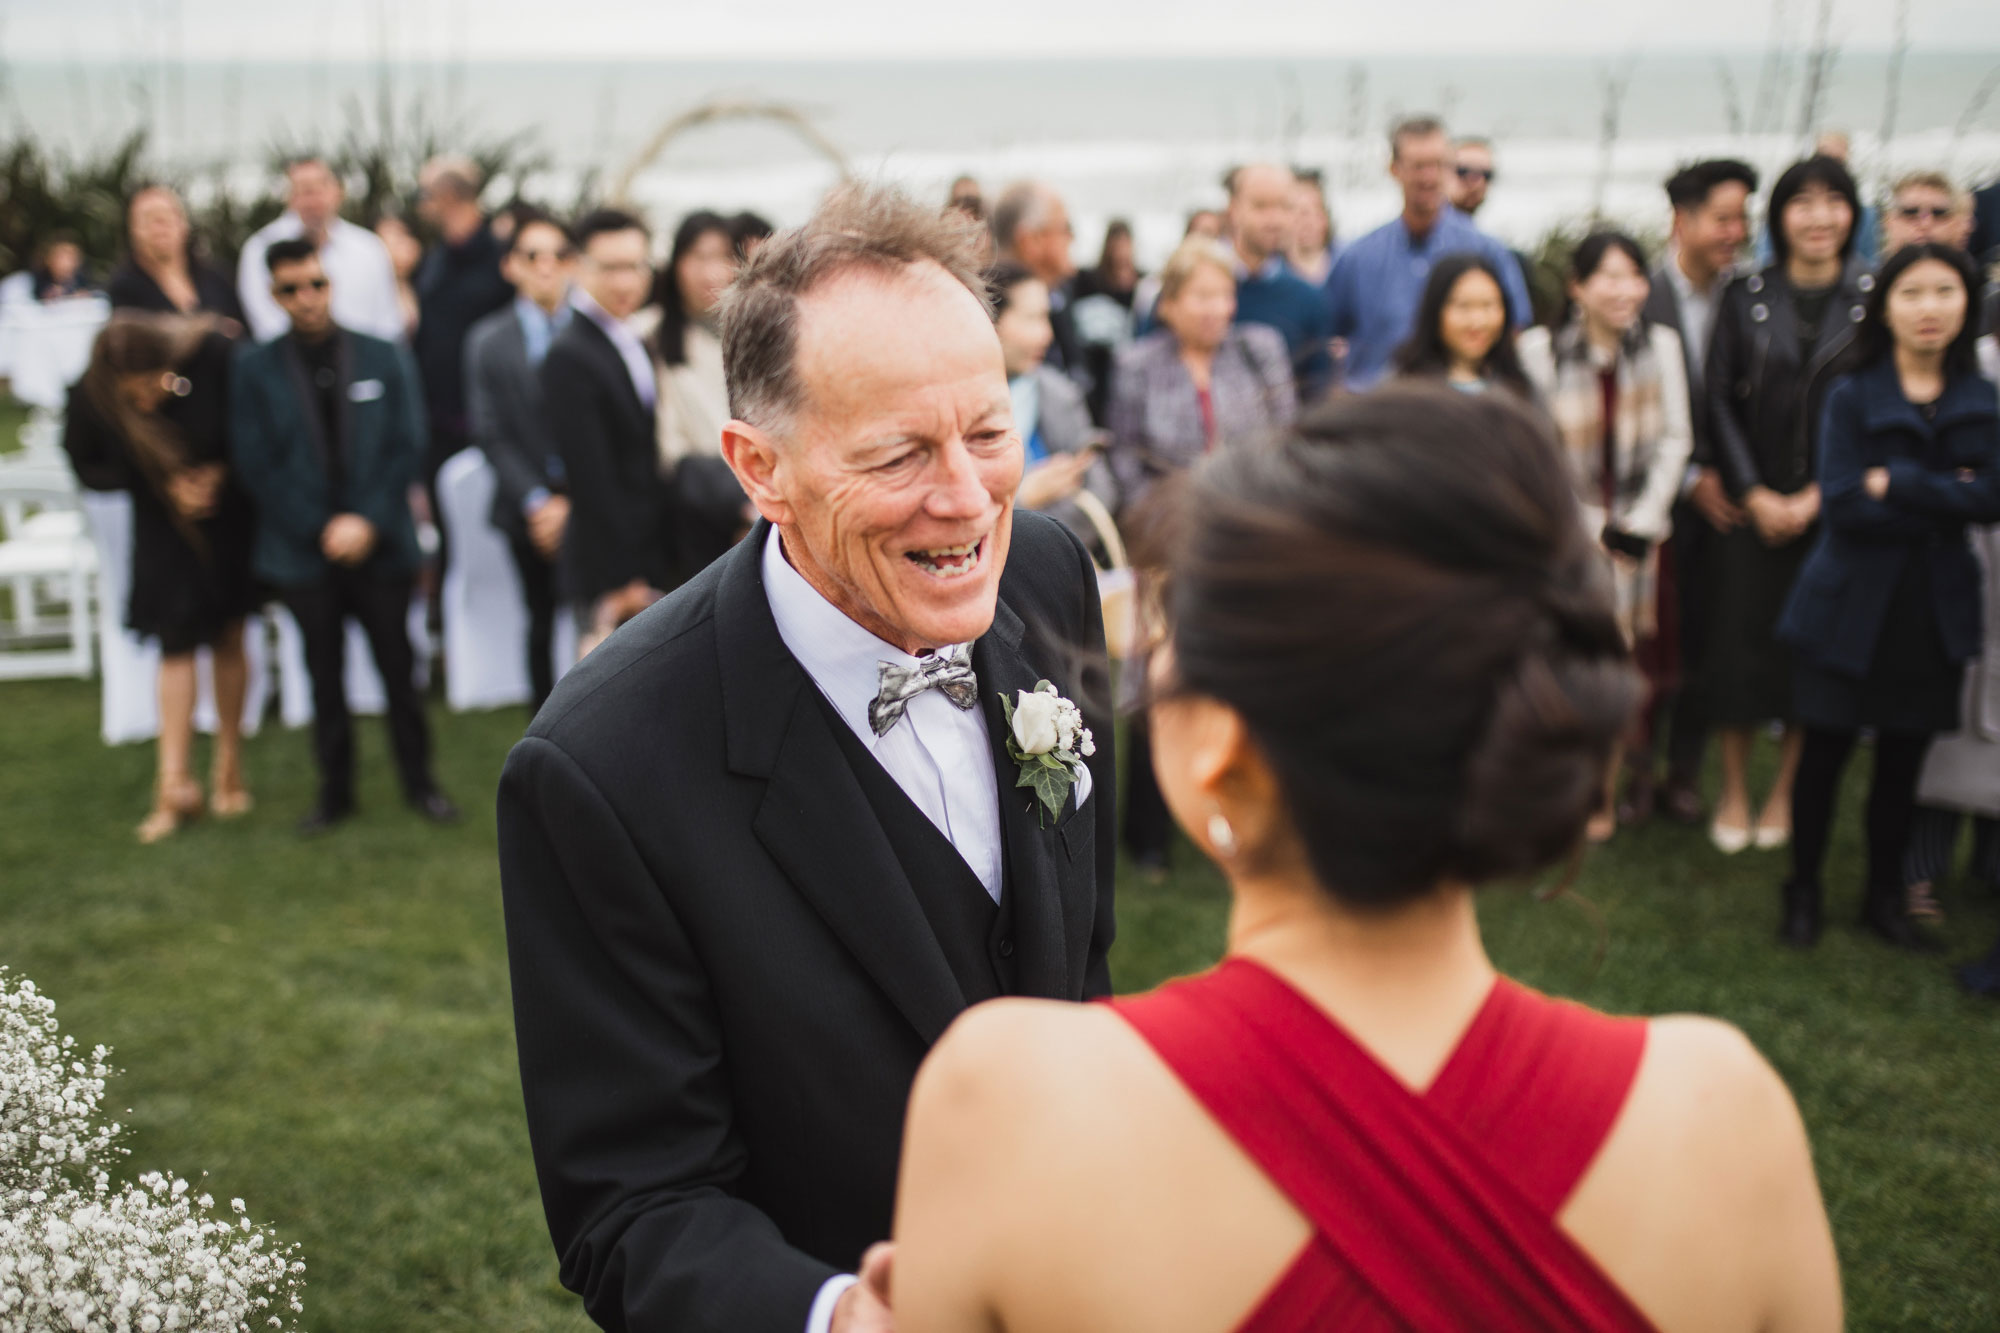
(355, 260)
(939, 754)
(631, 349)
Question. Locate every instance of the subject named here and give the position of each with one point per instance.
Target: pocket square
(364, 391)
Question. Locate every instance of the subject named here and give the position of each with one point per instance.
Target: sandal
(1921, 904)
(171, 809)
(230, 804)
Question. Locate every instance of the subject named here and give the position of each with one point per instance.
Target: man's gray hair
(1023, 206)
(858, 226)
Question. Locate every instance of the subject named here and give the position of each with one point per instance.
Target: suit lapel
(815, 820)
(1033, 893)
(814, 806)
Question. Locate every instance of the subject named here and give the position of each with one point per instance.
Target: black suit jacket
(610, 457)
(1663, 306)
(503, 401)
(724, 978)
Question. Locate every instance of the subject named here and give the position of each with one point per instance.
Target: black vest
(976, 935)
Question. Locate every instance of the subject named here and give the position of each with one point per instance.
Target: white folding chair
(49, 566)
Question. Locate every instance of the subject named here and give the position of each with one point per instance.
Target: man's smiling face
(897, 473)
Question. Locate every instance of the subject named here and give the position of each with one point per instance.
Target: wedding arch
(709, 113)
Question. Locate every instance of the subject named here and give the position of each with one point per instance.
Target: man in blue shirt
(1261, 211)
(1378, 280)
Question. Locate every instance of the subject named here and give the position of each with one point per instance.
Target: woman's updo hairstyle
(1400, 600)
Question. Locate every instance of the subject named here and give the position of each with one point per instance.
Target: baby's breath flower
(77, 1253)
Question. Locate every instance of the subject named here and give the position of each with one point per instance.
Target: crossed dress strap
(1431, 1212)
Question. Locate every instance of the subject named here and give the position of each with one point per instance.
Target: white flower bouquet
(80, 1255)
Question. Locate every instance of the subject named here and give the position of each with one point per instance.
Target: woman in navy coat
(1886, 609)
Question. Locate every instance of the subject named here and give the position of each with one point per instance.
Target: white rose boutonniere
(1047, 738)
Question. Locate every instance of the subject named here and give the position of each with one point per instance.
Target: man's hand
(1876, 482)
(864, 1307)
(1054, 479)
(619, 605)
(1772, 514)
(547, 524)
(1805, 509)
(347, 539)
(1711, 498)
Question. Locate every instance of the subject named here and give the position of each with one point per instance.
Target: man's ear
(756, 458)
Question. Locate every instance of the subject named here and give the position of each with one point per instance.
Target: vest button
(1006, 946)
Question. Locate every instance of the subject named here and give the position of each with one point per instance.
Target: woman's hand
(1054, 479)
(193, 491)
(1876, 482)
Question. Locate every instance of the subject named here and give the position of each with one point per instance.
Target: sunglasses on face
(1475, 173)
(1922, 213)
(294, 288)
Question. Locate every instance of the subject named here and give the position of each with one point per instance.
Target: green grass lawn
(324, 1027)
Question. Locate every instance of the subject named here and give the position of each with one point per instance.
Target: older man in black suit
(765, 844)
(503, 392)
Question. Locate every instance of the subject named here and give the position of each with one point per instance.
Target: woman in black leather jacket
(1779, 341)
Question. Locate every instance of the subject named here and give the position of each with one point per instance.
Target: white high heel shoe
(1729, 841)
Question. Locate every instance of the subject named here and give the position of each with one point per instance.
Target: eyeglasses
(1922, 213)
(1475, 173)
(537, 256)
(294, 288)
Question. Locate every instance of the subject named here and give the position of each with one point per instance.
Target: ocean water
(1143, 140)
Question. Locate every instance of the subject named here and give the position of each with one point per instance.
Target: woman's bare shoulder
(1007, 1054)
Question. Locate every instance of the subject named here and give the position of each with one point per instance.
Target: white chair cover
(131, 665)
(45, 348)
(485, 616)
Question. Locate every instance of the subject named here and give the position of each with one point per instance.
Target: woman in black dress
(1887, 609)
(1779, 336)
(150, 417)
(161, 271)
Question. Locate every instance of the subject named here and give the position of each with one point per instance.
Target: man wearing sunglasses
(354, 258)
(327, 432)
(1472, 174)
(1925, 207)
(503, 361)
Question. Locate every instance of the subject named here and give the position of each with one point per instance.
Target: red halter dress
(1432, 1211)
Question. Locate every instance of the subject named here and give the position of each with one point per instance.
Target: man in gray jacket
(504, 413)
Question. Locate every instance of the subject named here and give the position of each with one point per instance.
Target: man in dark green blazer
(327, 429)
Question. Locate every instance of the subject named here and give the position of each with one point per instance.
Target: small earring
(1221, 835)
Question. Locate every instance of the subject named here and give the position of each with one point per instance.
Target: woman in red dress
(1393, 675)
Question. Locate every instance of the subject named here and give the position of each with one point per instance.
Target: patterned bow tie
(949, 673)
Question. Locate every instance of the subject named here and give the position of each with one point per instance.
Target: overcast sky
(442, 29)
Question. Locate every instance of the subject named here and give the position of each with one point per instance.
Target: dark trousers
(1934, 838)
(538, 589)
(1892, 801)
(381, 606)
(1678, 711)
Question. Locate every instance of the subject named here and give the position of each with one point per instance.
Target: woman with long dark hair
(1463, 332)
(1615, 384)
(707, 509)
(1886, 610)
(1778, 339)
(1392, 675)
(150, 416)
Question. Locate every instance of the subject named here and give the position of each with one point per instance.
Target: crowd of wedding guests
(1789, 464)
